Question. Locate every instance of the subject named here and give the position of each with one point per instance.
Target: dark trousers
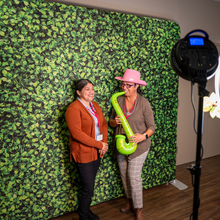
(87, 173)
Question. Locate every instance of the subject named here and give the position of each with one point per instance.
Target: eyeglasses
(126, 85)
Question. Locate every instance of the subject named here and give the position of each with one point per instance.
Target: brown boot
(127, 207)
(139, 214)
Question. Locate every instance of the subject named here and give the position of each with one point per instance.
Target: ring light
(217, 82)
(194, 57)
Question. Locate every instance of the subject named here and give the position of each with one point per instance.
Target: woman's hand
(116, 121)
(104, 149)
(137, 138)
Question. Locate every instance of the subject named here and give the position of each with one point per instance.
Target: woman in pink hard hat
(140, 117)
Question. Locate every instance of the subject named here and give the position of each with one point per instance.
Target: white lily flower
(212, 105)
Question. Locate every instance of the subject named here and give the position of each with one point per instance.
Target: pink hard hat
(132, 76)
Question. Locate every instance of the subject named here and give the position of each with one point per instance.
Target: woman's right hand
(116, 121)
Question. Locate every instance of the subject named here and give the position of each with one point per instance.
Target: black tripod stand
(196, 169)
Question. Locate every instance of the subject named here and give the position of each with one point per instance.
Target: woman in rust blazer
(88, 141)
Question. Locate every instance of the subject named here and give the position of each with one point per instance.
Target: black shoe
(92, 216)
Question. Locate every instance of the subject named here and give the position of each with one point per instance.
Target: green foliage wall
(44, 46)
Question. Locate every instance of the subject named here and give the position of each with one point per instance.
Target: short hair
(138, 89)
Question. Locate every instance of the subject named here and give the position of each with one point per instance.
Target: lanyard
(94, 112)
(131, 108)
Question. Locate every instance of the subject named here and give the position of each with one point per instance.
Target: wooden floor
(166, 202)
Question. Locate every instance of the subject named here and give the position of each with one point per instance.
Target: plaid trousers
(131, 177)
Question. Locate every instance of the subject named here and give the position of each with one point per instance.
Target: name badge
(100, 137)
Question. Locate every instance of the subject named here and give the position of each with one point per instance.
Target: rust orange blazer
(82, 143)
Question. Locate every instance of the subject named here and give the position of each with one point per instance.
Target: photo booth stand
(195, 58)
(179, 185)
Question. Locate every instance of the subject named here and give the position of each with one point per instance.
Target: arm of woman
(149, 121)
(114, 119)
(141, 137)
(112, 122)
(103, 129)
(73, 119)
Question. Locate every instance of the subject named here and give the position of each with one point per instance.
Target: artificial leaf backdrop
(44, 47)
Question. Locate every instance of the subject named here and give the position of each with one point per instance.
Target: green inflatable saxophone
(121, 145)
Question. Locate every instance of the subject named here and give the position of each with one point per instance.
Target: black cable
(192, 180)
(201, 156)
(194, 108)
(194, 123)
(192, 168)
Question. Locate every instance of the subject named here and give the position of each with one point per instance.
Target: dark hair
(80, 84)
(138, 89)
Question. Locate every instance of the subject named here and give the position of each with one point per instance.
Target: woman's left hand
(102, 152)
(137, 138)
(104, 149)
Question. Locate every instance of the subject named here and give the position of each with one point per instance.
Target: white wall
(190, 15)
